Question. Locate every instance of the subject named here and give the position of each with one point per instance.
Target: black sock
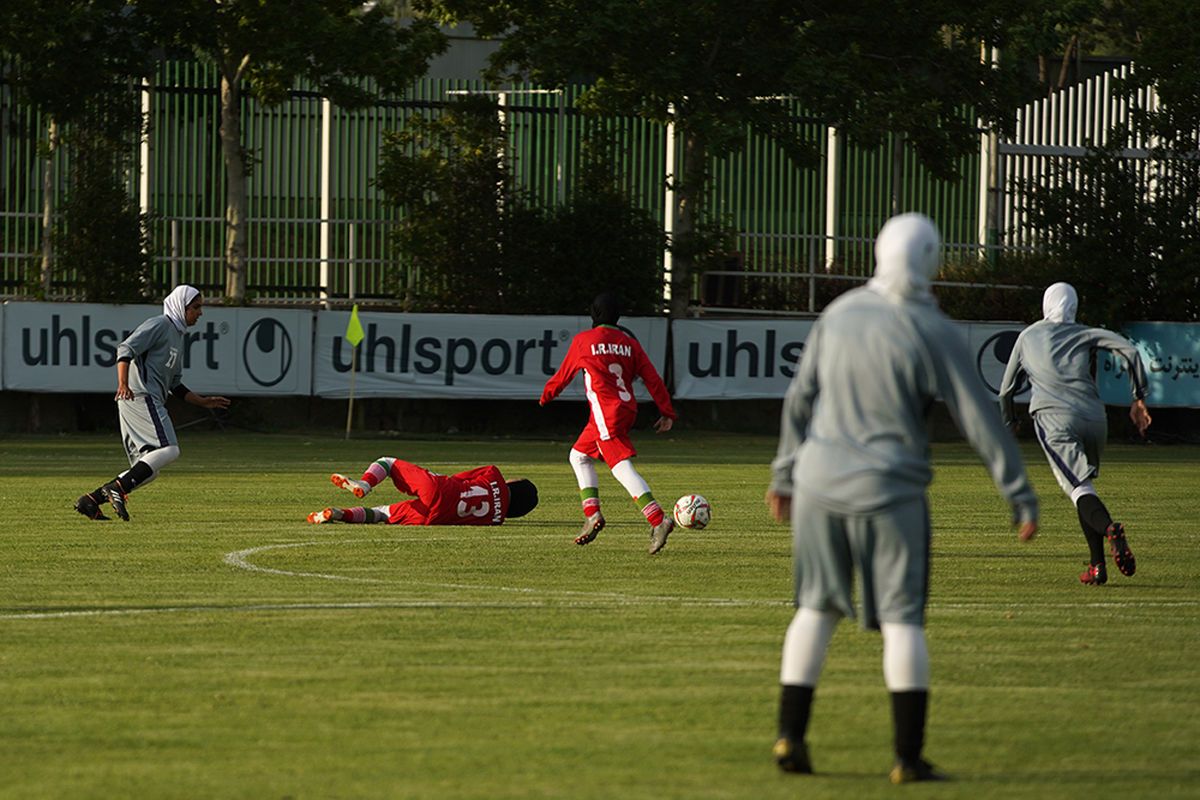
(908, 722)
(138, 474)
(1094, 519)
(795, 702)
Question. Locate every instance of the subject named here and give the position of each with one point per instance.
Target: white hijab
(908, 252)
(1059, 303)
(175, 305)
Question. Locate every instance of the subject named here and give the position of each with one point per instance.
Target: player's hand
(123, 393)
(663, 424)
(780, 506)
(214, 401)
(1028, 530)
(1140, 416)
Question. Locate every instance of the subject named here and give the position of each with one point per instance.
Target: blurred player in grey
(851, 474)
(1058, 356)
(149, 365)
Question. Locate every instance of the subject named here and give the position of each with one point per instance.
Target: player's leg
(359, 515)
(804, 648)
(822, 574)
(150, 444)
(413, 480)
(584, 468)
(661, 524)
(372, 476)
(1065, 444)
(895, 581)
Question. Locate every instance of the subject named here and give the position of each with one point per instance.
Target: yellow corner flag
(354, 331)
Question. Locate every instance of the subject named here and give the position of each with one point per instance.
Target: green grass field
(217, 646)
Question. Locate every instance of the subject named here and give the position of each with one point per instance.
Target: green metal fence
(321, 228)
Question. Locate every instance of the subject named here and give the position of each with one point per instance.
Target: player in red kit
(479, 496)
(610, 360)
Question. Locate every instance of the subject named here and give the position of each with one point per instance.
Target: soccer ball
(692, 511)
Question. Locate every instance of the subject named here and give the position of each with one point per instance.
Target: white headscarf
(1059, 303)
(908, 252)
(175, 305)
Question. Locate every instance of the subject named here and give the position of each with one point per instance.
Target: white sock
(804, 646)
(628, 477)
(905, 657)
(585, 470)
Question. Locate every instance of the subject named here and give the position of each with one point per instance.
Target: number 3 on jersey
(622, 389)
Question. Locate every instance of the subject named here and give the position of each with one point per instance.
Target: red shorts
(615, 449)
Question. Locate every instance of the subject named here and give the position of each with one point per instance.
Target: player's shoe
(360, 488)
(660, 532)
(591, 526)
(325, 515)
(112, 490)
(88, 506)
(919, 770)
(791, 756)
(1121, 553)
(1094, 575)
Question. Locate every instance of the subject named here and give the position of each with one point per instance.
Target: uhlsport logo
(993, 358)
(267, 352)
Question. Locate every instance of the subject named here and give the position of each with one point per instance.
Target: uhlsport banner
(72, 347)
(459, 355)
(749, 359)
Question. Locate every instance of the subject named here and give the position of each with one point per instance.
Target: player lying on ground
(479, 496)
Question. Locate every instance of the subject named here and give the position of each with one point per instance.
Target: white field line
(532, 597)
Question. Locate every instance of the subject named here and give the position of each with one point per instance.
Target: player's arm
(188, 396)
(1008, 387)
(562, 376)
(971, 406)
(123, 390)
(1139, 384)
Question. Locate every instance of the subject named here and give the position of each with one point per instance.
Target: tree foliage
(79, 62)
(264, 48)
(1124, 225)
(472, 243)
(712, 69)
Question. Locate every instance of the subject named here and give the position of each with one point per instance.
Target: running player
(1058, 354)
(479, 496)
(610, 359)
(149, 365)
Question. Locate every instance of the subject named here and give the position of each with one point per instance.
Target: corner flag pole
(354, 335)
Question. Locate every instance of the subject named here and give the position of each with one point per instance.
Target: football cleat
(88, 506)
(920, 770)
(791, 756)
(112, 490)
(591, 526)
(1094, 575)
(325, 515)
(360, 488)
(1122, 555)
(659, 534)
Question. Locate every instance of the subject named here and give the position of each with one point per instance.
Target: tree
(476, 245)
(264, 48)
(78, 62)
(1126, 230)
(711, 69)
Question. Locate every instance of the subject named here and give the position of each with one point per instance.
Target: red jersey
(476, 497)
(610, 360)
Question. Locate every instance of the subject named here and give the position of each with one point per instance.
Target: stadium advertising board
(457, 355)
(755, 359)
(72, 347)
(736, 359)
